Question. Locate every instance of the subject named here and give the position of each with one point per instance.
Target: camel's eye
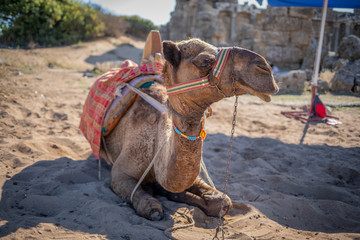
(204, 61)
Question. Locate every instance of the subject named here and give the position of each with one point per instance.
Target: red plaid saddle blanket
(101, 96)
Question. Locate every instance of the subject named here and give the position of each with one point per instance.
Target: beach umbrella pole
(318, 55)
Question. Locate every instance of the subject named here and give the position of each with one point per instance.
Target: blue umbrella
(315, 3)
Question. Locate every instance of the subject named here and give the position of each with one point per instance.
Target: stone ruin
(286, 37)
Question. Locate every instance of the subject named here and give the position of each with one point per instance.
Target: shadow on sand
(304, 187)
(120, 53)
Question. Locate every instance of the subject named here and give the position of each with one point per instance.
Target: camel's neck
(178, 169)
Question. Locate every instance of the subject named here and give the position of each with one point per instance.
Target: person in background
(275, 69)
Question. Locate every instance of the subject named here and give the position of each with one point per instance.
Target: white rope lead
(147, 169)
(205, 171)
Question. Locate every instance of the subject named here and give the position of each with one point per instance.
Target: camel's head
(244, 71)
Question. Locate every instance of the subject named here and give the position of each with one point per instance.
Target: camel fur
(143, 130)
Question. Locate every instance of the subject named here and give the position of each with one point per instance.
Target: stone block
(300, 39)
(284, 54)
(246, 31)
(243, 17)
(301, 12)
(287, 24)
(309, 56)
(292, 81)
(275, 38)
(307, 26)
(278, 11)
(247, 43)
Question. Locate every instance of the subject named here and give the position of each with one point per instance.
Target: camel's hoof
(156, 216)
(226, 206)
(218, 205)
(150, 208)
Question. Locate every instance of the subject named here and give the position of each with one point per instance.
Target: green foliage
(47, 22)
(139, 27)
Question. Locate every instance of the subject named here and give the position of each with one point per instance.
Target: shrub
(139, 27)
(115, 26)
(47, 22)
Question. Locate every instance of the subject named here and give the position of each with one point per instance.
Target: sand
(288, 179)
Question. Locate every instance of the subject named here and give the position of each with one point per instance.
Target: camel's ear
(204, 61)
(171, 53)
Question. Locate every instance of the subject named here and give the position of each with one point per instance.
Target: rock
(329, 62)
(309, 74)
(354, 67)
(323, 86)
(310, 53)
(357, 79)
(292, 81)
(3, 62)
(349, 48)
(343, 81)
(341, 64)
(17, 73)
(356, 87)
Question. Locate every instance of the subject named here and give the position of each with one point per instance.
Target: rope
(177, 114)
(107, 151)
(148, 169)
(158, 106)
(171, 229)
(203, 167)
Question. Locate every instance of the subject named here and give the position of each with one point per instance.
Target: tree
(48, 22)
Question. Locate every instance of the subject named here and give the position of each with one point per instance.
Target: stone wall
(285, 36)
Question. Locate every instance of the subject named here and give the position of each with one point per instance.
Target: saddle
(109, 99)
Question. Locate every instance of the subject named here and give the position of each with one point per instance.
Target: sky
(157, 11)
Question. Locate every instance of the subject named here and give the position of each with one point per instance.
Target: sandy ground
(288, 179)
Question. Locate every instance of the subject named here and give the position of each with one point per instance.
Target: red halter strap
(216, 71)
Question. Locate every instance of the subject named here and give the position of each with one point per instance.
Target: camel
(143, 131)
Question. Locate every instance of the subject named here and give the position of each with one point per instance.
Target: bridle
(206, 81)
(210, 80)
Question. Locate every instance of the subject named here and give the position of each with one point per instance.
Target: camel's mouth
(263, 96)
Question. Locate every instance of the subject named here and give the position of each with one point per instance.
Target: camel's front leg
(208, 199)
(144, 204)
